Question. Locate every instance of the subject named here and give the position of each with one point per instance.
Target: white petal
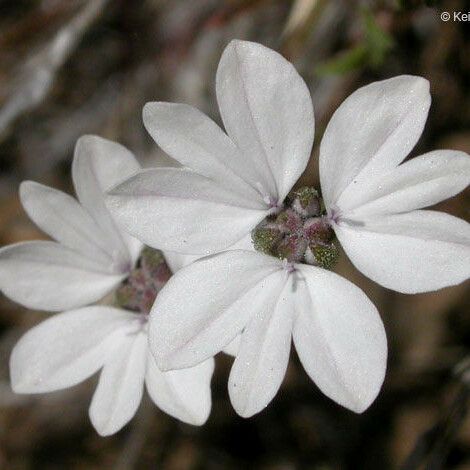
(267, 111)
(205, 305)
(64, 219)
(198, 143)
(417, 183)
(109, 162)
(233, 347)
(371, 132)
(261, 362)
(184, 394)
(178, 210)
(121, 385)
(44, 275)
(176, 261)
(66, 349)
(340, 338)
(98, 165)
(416, 252)
(245, 243)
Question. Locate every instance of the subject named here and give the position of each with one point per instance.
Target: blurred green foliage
(371, 52)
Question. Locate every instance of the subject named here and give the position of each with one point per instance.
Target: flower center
(300, 233)
(139, 290)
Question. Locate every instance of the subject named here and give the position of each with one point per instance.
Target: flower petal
(205, 305)
(370, 133)
(233, 347)
(65, 349)
(340, 338)
(108, 163)
(64, 219)
(44, 275)
(176, 261)
(198, 143)
(184, 394)
(178, 210)
(261, 362)
(417, 183)
(98, 165)
(415, 252)
(121, 385)
(267, 111)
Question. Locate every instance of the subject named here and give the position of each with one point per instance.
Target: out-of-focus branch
(35, 77)
(299, 15)
(433, 446)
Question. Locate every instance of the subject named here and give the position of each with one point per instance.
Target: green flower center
(300, 233)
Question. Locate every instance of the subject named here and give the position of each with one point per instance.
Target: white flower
(67, 348)
(91, 257)
(233, 181)
(336, 329)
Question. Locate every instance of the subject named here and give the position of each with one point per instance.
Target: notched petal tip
(105, 428)
(419, 86)
(240, 45)
(83, 146)
(89, 139)
(28, 190)
(26, 187)
(414, 83)
(237, 43)
(149, 110)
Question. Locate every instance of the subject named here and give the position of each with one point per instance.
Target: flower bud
(318, 230)
(324, 256)
(292, 248)
(288, 221)
(266, 237)
(299, 233)
(306, 202)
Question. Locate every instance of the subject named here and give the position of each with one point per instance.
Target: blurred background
(88, 66)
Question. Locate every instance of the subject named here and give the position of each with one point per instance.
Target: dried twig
(37, 74)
